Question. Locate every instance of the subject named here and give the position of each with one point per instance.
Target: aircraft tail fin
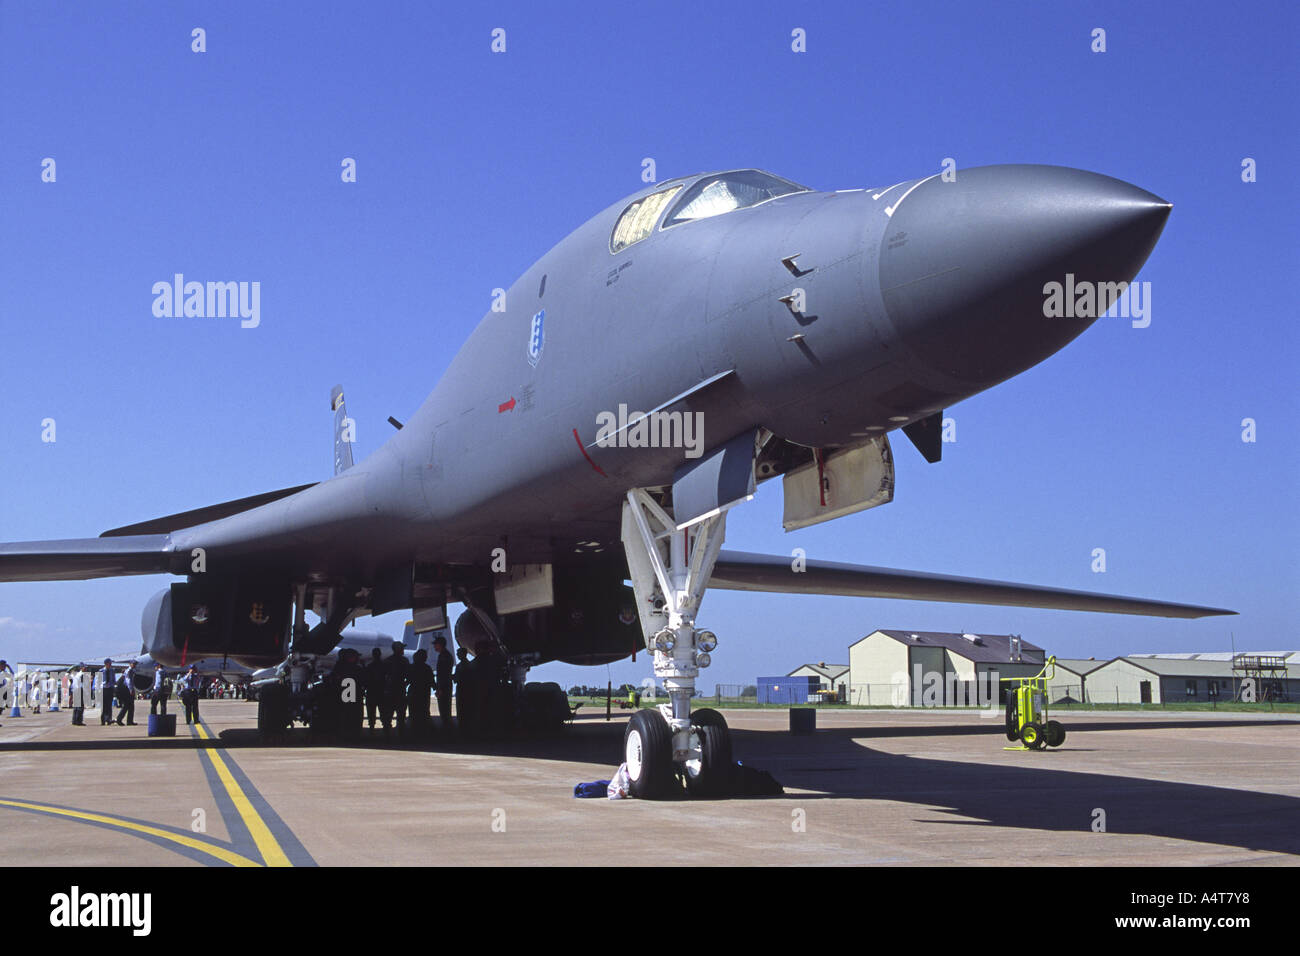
(344, 431)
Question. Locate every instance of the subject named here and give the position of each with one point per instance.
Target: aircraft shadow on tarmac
(1036, 795)
(838, 763)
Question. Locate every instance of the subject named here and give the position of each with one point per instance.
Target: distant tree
(750, 690)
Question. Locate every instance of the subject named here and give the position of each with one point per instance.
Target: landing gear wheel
(272, 712)
(1055, 733)
(648, 752)
(708, 717)
(1032, 735)
(709, 775)
(1013, 718)
(545, 708)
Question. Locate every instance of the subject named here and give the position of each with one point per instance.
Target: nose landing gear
(670, 570)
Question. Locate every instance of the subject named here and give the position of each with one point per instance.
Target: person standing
(394, 701)
(126, 696)
(158, 697)
(463, 678)
(80, 694)
(374, 681)
(107, 691)
(6, 683)
(443, 666)
(419, 690)
(190, 685)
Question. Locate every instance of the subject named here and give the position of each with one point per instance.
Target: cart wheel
(1032, 735)
(1055, 733)
(1013, 718)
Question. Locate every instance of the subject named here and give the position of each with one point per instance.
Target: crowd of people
(393, 690)
(112, 689)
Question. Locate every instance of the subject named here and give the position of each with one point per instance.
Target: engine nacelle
(474, 632)
(245, 621)
(156, 629)
(143, 681)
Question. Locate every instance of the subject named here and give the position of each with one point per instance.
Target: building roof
(979, 648)
(1184, 667)
(1292, 657)
(829, 671)
(1079, 665)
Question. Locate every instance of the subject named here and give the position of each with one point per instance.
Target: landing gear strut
(670, 568)
(298, 692)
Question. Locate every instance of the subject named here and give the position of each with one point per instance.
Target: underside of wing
(78, 559)
(740, 571)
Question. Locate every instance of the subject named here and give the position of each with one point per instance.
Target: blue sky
(225, 165)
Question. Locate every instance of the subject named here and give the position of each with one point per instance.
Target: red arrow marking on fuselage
(506, 406)
(586, 456)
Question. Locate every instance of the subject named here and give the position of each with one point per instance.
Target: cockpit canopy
(710, 195)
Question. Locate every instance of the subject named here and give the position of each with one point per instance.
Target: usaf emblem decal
(537, 338)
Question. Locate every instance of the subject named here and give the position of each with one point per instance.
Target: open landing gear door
(523, 588)
(838, 484)
(722, 478)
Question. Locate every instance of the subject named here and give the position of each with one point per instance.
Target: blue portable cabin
(786, 690)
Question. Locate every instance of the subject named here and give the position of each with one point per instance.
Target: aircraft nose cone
(964, 264)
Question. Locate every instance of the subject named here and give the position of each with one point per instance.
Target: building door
(1144, 691)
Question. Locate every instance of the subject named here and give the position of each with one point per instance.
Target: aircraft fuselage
(893, 305)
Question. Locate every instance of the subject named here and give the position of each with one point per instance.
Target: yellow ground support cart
(1027, 719)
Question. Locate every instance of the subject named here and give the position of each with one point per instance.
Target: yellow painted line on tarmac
(271, 852)
(202, 846)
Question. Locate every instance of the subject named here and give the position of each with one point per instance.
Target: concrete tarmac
(869, 787)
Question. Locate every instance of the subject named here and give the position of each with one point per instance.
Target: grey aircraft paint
(914, 297)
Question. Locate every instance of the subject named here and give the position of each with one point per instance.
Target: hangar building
(1071, 680)
(833, 677)
(932, 668)
(1172, 678)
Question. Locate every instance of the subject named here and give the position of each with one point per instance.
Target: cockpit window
(714, 195)
(638, 219)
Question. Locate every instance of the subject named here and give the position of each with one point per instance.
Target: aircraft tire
(272, 715)
(708, 717)
(648, 751)
(711, 776)
(547, 707)
(1055, 733)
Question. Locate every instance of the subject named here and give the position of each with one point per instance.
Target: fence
(735, 694)
(961, 694)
